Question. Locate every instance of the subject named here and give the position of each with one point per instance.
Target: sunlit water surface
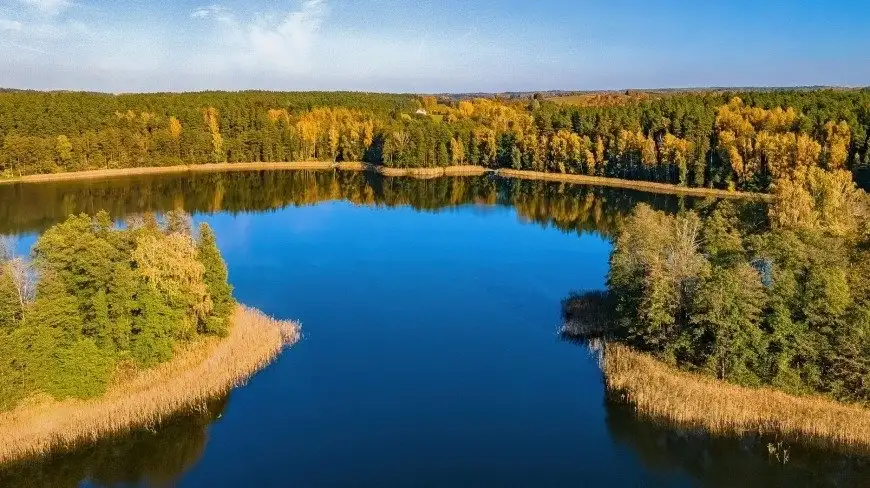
(430, 354)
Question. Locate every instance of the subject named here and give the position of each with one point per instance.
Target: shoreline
(197, 373)
(645, 186)
(692, 400)
(422, 173)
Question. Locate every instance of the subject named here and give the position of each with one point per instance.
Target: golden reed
(640, 185)
(661, 391)
(199, 372)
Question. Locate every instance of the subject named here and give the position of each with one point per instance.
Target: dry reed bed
(468, 170)
(352, 166)
(465, 170)
(688, 399)
(647, 186)
(153, 170)
(199, 372)
(462, 170)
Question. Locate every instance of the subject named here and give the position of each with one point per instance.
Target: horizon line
(551, 92)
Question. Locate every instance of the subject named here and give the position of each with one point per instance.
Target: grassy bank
(197, 373)
(465, 170)
(692, 400)
(646, 186)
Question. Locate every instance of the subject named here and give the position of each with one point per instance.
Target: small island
(110, 328)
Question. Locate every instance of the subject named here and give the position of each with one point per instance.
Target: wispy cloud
(403, 45)
(10, 25)
(303, 45)
(299, 44)
(212, 11)
(280, 41)
(51, 7)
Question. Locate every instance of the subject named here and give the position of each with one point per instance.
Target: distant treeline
(740, 140)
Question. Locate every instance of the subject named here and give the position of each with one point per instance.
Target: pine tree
(216, 275)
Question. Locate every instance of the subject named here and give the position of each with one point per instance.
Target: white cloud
(301, 49)
(214, 11)
(51, 7)
(10, 25)
(45, 50)
(305, 45)
(281, 41)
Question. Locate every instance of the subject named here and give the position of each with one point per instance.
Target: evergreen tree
(107, 294)
(10, 307)
(725, 319)
(216, 279)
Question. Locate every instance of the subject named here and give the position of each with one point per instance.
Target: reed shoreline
(199, 372)
(646, 186)
(657, 390)
(422, 173)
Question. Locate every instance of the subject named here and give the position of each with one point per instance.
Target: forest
(742, 140)
(780, 301)
(96, 300)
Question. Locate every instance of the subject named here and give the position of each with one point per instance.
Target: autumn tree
(105, 293)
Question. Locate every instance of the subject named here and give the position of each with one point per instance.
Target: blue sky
(430, 46)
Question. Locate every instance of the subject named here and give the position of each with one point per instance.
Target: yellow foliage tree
(212, 121)
(457, 152)
(755, 140)
(837, 139)
(676, 151)
(174, 128)
(335, 132)
(170, 265)
(828, 201)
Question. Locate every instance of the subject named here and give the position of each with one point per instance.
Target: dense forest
(96, 299)
(782, 301)
(740, 140)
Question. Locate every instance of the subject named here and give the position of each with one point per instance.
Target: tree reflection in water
(27, 208)
(732, 461)
(153, 457)
(714, 461)
(160, 457)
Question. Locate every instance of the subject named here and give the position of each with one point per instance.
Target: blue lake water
(431, 354)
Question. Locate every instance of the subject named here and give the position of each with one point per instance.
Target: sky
(431, 46)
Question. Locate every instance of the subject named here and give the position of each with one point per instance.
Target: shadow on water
(710, 460)
(31, 208)
(142, 457)
(748, 460)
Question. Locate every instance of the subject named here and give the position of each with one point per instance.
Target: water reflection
(143, 457)
(408, 393)
(714, 461)
(732, 461)
(27, 208)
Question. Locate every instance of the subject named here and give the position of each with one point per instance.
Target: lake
(431, 354)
